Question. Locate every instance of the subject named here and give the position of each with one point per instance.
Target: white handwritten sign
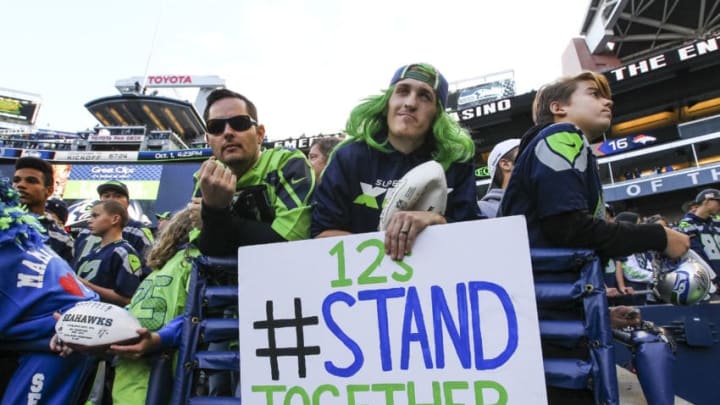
(336, 321)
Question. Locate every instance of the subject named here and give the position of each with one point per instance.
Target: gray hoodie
(490, 203)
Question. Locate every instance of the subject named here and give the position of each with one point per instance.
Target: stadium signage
(167, 79)
(662, 184)
(300, 143)
(122, 170)
(193, 154)
(94, 156)
(482, 110)
(615, 146)
(115, 138)
(364, 329)
(663, 60)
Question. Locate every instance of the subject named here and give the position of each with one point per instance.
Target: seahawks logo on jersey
(563, 151)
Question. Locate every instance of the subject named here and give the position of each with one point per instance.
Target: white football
(423, 188)
(93, 323)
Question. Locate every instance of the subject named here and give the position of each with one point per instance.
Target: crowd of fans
(245, 196)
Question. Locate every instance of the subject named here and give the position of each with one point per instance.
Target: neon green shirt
(289, 182)
(159, 299)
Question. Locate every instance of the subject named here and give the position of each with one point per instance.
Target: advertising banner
(619, 145)
(17, 110)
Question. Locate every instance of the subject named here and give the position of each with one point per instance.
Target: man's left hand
(403, 229)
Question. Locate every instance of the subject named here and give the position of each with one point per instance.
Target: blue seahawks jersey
(704, 238)
(357, 179)
(116, 266)
(35, 283)
(556, 173)
(58, 240)
(135, 233)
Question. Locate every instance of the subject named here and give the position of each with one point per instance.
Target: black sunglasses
(216, 126)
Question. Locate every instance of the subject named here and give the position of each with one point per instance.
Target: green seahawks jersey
(159, 298)
(287, 182)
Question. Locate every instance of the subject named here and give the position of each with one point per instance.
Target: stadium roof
(155, 113)
(632, 29)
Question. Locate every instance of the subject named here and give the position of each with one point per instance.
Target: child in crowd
(160, 298)
(633, 272)
(113, 268)
(556, 185)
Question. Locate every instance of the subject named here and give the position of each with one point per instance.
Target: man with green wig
(389, 134)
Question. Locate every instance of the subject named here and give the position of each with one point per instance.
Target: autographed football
(423, 188)
(93, 324)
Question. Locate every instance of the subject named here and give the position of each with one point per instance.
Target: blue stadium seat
(573, 312)
(212, 290)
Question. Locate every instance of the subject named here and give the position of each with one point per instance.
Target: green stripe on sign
(87, 189)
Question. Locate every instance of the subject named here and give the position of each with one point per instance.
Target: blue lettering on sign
(344, 338)
(459, 334)
(414, 315)
(381, 297)
(415, 329)
(482, 363)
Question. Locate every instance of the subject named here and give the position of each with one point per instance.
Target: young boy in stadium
(113, 268)
(34, 181)
(138, 235)
(556, 185)
(34, 284)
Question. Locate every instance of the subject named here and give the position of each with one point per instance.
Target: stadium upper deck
(662, 59)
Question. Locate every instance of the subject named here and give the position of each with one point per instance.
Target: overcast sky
(304, 63)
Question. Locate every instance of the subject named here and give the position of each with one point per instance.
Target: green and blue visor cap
(436, 81)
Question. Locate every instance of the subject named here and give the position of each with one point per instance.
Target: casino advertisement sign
(336, 321)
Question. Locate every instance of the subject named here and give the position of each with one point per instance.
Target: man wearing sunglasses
(249, 196)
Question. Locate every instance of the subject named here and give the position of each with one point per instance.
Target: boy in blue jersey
(135, 232)
(113, 268)
(34, 283)
(703, 227)
(556, 185)
(388, 135)
(34, 181)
